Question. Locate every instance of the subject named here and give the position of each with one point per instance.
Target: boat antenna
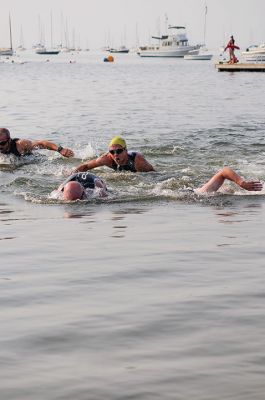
(204, 31)
(10, 33)
(166, 23)
(51, 29)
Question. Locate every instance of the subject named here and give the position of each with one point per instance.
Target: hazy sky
(95, 23)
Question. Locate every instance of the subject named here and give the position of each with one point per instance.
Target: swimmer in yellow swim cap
(119, 159)
(117, 140)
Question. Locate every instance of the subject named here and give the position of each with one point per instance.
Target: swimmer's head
(73, 191)
(117, 140)
(4, 140)
(5, 132)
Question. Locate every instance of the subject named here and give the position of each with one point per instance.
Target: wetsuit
(129, 166)
(13, 148)
(86, 179)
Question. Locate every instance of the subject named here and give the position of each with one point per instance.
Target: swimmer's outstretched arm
(98, 162)
(227, 173)
(24, 145)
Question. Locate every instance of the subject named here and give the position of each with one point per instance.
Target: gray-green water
(153, 293)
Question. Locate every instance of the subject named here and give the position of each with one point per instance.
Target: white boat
(171, 45)
(201, 53)
(65, 50)
(42, 50)
(8, 51)
(20, 48)
(254, 53)
(121, 49)
(21, 45)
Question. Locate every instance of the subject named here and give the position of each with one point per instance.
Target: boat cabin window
(167, 43)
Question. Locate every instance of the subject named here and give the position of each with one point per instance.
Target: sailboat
(8, 51)
(21, 42)
(121, 49)
(201, 53)
(43, 50)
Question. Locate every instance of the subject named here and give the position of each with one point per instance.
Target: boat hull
(119, 51)
(254, 53)
(178, 52)
(253, 57)
(6, 52)
(204, 57)
(47, 52)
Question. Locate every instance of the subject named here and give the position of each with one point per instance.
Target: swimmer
(227, 173)
(119, 159)
(81, 186)
(22, 147)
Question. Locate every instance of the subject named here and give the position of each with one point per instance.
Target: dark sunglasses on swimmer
(117, 151)
(4, 142)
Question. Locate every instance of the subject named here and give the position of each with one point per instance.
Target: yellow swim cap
(117, 140)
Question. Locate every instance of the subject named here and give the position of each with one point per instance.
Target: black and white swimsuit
(86, 179)
(129, 166)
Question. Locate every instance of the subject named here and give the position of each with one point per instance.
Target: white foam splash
(85, 152)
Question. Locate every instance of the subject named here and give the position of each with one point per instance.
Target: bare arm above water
(227, 173)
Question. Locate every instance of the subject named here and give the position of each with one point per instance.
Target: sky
(98, 23)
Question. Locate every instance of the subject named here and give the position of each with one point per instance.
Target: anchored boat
(171, 45)
(8, 51)
(121, 49)
(254, 53)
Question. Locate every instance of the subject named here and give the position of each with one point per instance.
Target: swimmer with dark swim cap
(119, 159)
(81, 186)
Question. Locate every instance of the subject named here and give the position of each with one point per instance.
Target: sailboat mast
(10, 33)
(166, 24)
(204, 31)
(51, 30)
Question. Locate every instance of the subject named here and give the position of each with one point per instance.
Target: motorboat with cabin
(171, 45)
(254, 53)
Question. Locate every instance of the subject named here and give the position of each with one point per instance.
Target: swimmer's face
(118, 154)
(4, 143)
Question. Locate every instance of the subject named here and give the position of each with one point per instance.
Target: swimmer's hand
(66, 153)
(252, 186)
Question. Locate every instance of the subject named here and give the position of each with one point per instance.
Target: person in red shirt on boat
(231, 47)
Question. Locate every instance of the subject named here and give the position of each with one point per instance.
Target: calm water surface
(153, 293)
